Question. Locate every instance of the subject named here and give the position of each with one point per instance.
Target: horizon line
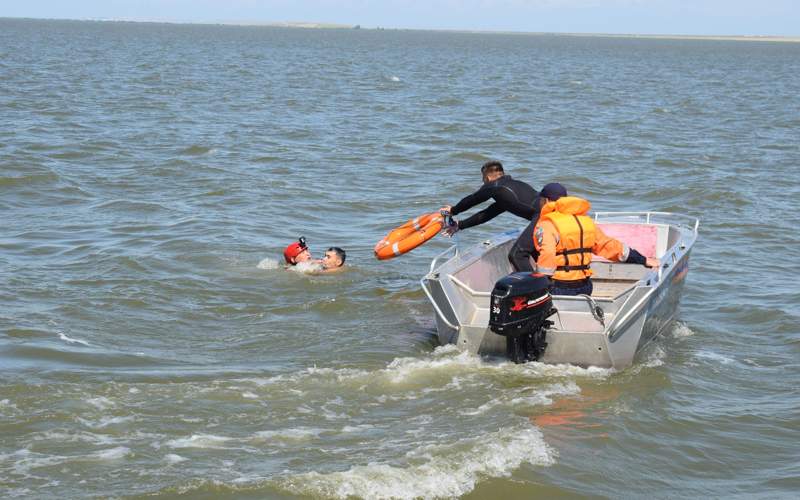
(326, 25)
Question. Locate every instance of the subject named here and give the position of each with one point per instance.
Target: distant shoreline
(316, 25)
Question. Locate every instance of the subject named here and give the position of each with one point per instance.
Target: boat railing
(435, 261)
(468, 289)
(436, 306)
(434, 264)
(681, 220)
(619, 321)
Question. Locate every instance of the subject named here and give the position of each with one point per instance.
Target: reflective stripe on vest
(575, 242)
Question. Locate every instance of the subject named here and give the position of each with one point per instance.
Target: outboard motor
(520, 306)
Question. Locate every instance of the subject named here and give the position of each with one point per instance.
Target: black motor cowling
(520, 306)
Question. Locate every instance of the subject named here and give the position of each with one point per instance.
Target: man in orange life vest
(566, 238)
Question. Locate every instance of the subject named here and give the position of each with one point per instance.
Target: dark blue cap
(553, 191)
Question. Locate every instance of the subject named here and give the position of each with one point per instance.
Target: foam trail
(714, 357)
(299, 434)
(542, 396)
(200, 441)
(172, 458)
(25, 460)
(101, 402)
(681, 330)
(110, 454)
(436, 471)
(268, 264)
(451, 358)
(445, 360)
(655, 358)
(308, 267)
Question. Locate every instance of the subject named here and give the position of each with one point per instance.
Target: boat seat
(609, 289)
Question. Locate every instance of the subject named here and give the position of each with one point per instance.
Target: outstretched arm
(469, 201)
(485, 215)
(634, 257)
(617, 251)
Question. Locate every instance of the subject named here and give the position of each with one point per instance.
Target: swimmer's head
(297, 252)
(334, 257)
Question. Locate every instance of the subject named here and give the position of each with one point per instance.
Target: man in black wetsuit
(510, 195)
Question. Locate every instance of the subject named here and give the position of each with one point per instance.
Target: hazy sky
(709, 17)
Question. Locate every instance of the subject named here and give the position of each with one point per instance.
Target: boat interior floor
(611, 288)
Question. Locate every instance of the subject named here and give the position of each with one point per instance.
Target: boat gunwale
(627, 218)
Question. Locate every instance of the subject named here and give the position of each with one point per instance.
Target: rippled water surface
(151, 344)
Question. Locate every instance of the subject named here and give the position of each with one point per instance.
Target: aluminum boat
(629, 307)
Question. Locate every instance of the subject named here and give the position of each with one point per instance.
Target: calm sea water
(150, 343)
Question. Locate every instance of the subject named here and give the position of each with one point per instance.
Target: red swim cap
(292, 251)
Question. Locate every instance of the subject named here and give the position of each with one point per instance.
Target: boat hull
(638, 304)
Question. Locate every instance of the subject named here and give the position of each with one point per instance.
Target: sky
(667, 17)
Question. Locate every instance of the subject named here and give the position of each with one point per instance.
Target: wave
(197, 150)
(70, 340)
(105, 422)
(71, 436)
(24, 461)
(109, 454)
(7, 404)
(681, 330)
(172, 458)
(59, 355)
(130, 206)
(101, 403)
(208, 441)
(654, 357)
(26, 180)
(540, 396)
(714, 357)
(432, 471)
(444, 361)
(297, 434)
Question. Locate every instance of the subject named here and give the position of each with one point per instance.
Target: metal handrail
(436, 259)
(649, 215)
(620, 308)
(467, 287)
(436, 306)
(594, 309)
(617, 321)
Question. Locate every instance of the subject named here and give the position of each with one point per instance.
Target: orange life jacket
(576, 237)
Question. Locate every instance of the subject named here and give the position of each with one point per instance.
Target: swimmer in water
(333, 260)
(296, 253)
(298, 257)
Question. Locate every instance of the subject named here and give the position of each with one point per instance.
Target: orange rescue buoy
(409, 236)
